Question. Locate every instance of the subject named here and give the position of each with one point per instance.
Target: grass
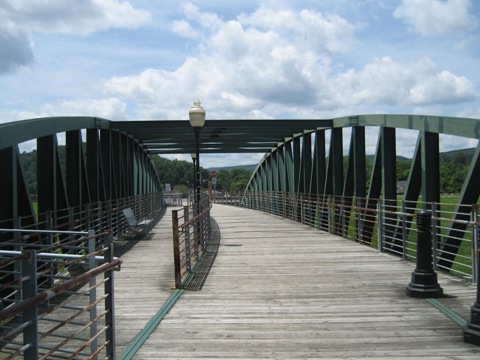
(462, 265)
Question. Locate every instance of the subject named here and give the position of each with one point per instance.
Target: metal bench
(141, 227)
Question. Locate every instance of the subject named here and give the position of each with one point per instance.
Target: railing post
(471, 331)
(17, 223)
(109, 300)
(92, 293)
(404, 230)
(356, 209)
(208, 226)
(176, 250)
(380, 226)
(30, 317)
(434, 235)
(475, 260)
(302, 210)
(188, 255)
(329, 213)
(424, 279)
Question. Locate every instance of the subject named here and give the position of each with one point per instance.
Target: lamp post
(196, 115)
(194, 160)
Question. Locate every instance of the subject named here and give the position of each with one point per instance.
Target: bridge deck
(279, 289)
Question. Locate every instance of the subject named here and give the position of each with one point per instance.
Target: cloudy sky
(145, 59)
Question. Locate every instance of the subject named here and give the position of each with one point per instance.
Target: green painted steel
(117, 162)
(324, 175)
(105, 165)
(359, 154)
(143, 335)
(336, 157)
(319, 163)
(307, 162)
(448, 312)
(430, 167)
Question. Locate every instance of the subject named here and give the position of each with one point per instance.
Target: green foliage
(181, 173)
(403, 169)
(183, 189)
(233, 180)
(29, 161)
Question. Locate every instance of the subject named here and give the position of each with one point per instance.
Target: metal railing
(57, 298)
(94, 216)
(191, 235)
(388, 225)
(173, 198)
(49, 264)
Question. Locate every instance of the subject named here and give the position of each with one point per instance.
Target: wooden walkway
(281, 290)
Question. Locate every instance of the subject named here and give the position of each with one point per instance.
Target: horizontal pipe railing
(73, 221)
(388, 225)
(191, 236)
(57, 305)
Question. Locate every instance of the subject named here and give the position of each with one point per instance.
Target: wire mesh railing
(389, 225)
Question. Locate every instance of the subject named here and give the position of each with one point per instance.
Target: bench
(140, 227)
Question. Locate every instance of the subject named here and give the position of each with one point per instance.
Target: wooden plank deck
(145, 281)
(279, 290)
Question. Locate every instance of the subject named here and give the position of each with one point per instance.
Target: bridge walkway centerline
(279, 289)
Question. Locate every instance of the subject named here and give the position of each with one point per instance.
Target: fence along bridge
(106, 169)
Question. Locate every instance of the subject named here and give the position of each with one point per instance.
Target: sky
(249, 59)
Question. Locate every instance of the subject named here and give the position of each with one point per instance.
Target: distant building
(401, 186)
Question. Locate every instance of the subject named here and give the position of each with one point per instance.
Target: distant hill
(467, 152)
(251, 167)
(399, 158)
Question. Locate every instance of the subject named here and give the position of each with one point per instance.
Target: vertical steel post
(92, 293)
(475, 259)
(176, 250)
(188, 255)
(435, 231)
(471, 331)
(109, 301)
(404, 230)
(380, 226)
(197, 185)
(29, 290)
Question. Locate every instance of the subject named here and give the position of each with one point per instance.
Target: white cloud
(72, 16)
(184, 29)
(327, 33)
(206, 20)
(436, 17)
(388, 82)
(111, 108)
(265, 72)
(253, 59)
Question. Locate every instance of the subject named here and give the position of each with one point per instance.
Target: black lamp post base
(471, 331)
(424, 285)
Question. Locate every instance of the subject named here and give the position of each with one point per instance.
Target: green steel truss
(107, 160)
(303, 164)
(101, 164)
